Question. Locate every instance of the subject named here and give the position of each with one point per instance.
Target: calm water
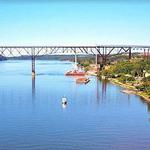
(98, 116)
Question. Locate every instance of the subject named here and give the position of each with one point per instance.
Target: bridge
(102, 51)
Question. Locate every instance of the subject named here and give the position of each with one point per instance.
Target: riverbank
(133, 75)
(129, 89)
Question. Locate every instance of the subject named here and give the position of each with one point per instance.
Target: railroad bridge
(101, 52)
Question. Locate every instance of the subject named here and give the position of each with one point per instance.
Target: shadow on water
(102, 93)
(97, 90)
(148, 107)
(104, 89)
(129, 99)
(101, 90)
(145, 102)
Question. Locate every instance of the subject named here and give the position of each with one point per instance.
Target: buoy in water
(64, 101)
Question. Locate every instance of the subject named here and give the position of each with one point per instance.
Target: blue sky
(74, 22)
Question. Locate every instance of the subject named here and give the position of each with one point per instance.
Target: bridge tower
(33, 62)
(130, 53)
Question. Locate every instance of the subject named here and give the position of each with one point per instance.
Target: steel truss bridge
(102, 51)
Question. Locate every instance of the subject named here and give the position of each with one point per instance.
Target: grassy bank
(132, 75)
(132, 89)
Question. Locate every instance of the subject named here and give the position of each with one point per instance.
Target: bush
(86, 62)
(130, 79)
(125, 79)
(146, 79)
(145, 87)
(140, 88)
(122, 79)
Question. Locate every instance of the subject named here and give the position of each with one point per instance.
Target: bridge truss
(103, 51)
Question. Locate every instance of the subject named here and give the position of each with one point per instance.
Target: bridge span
(100, 51)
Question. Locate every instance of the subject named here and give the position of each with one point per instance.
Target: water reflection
(33, 89)
(104, 88)
(148, 107)
(129, 99)
(97, 90)
(145, 102)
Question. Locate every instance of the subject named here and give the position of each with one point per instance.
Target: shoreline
(129, 89)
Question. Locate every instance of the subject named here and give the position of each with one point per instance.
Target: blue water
(98, 116)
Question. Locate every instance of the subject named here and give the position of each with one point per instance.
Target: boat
(83, 80)
(64, 106)
(76, 71)
(64, 101)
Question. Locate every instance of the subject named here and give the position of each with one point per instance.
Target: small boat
(83, 80)
(64, 101)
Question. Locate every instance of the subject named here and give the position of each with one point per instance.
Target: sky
(80, 22)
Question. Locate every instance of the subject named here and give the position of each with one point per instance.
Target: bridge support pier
(97, 62)
(33, 63)
(144, 55)
(130, 53)
(104, 56)
(100, 62)
(33, 66)
(148, 54)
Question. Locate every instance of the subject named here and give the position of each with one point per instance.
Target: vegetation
(135, 72)
(86, 62)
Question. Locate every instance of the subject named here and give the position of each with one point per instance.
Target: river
(98, 116)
